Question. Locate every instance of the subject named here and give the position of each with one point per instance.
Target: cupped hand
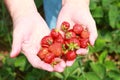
(80, 14)
(27, 33)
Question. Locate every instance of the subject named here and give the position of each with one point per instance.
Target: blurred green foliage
(102, 62)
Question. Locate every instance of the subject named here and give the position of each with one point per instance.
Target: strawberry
(85, 34)
(56, 48)
(65, 26)
(54, 33)
(84, 43)
(42, 53)
(49, 58)
(70, 55)
(73, 44)
(59, 39)
(46, 41)
(70, 34)
(75, 41)
(77, 28)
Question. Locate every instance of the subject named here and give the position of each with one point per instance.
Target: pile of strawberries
(64, 46)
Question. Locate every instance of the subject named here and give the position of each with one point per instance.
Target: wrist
(19, 8)
(76, 2)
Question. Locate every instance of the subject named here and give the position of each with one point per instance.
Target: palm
(78, 14)
(28, 32)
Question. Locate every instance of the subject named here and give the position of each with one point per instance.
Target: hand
(78, 13)
(28, 31)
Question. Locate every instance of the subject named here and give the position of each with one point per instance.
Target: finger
(35, 60)
(93, 32)
(70, 63)
(60, 66)
(16, 45)
(82, 51)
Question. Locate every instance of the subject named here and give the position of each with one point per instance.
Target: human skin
(29, 28)
(77, 11)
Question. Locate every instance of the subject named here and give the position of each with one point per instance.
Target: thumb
(93, 33)
(16, 45)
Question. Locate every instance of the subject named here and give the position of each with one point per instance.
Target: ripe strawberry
(70, 34)
(77, 28)
(85, 34)
(73, 44)
(65, 26)
(49, 58)
(75, 41)
(59, 39)
(70, 55)
(46, 41)
(84, 43)
(54, 33)
(56, 48)
(42, 53)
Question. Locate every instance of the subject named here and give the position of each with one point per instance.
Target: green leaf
(106, 3)
(99, 69)
(81, 78)
(72, 69)
(72, 77)
(93, 5)
(99, 45)
(103, 56)
(98, 12)
(58, 75)
(110, 65)
(92, 76)
(114, 75)
(20, 62)
(113, 14)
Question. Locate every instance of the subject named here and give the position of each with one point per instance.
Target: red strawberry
(59, 39)
(85, 34)
(70, 34)
(42, 53)
(73, 44)
(77, 28)
(49, 58)
(54, 33)
(65, 26)
(70, 55)
(46, 41)
(84, 43)
(75, 41)
(56, 48)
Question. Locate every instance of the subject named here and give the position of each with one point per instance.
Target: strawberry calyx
(72, 46)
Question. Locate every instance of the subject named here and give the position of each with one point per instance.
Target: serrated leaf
(113, 14)
(20, 62)
(99, 69)
(92, 76)
(103, 56)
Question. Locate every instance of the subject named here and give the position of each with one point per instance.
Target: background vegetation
(102, 62)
